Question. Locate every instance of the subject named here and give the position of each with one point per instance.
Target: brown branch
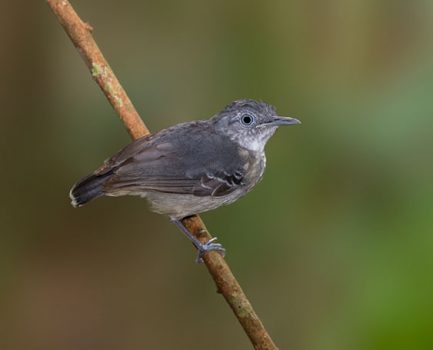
(80, 34)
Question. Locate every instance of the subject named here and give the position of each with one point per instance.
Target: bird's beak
(277, 121)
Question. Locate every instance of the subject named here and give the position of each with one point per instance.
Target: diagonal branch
(80, 34)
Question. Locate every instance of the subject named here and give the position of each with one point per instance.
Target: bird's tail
(88, 188)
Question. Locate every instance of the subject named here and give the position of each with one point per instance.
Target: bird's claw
(207, 247)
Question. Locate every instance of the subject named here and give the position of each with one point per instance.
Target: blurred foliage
(334, 247)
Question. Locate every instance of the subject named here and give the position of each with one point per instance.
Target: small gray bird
(191, 167)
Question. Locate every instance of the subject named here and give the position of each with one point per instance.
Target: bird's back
(186, 151)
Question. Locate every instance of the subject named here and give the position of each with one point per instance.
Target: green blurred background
(334, 247)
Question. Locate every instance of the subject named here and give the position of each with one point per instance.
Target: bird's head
(250, 123)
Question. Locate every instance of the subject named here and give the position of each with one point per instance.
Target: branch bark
(80, 34)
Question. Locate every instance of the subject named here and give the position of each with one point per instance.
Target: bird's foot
(208, 247)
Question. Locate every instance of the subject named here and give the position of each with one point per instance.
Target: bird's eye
(247, 119)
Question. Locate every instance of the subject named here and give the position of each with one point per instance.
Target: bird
(192, 167)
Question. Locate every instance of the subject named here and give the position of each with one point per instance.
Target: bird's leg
(201, 247)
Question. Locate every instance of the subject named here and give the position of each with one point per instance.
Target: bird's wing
(209, 184)
(219, 184)
(194, 162)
